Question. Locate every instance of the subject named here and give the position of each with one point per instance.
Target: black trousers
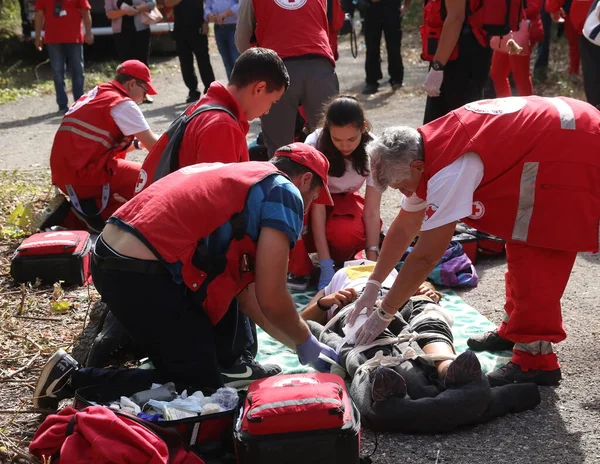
(191, 43)
(590, 62)
(381, 19)
(464, 78)
(165, 323)
(132, 44)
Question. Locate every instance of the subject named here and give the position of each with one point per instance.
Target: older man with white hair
(524, 169)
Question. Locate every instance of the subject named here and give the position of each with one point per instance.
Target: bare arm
(40, 20)
(372, 220)
(312, 311)
(148, 138)
(245, 25)
(420, 262)
(250, 307)
(146, 7)
(450, 30)
(87, 23)
(318, 228)
(171, 3)
(271, 291)
(402, 232)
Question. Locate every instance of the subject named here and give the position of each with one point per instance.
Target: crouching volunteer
(87, 160)
(522, 190)
(410, 379)
(353, 224)
(171, 262)
(214, 129)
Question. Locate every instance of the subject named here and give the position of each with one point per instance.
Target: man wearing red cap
(179, 261)
(88, 155)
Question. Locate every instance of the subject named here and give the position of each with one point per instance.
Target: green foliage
(10, 16)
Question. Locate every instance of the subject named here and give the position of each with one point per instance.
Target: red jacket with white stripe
(88, 138)
(541, 158)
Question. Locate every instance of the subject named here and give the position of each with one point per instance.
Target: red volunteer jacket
(211, 137)
(293, 27)
(541, 159)
(335, 24)
(193, 202)
(88, 139)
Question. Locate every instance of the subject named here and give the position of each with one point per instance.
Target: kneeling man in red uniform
(88, 155)
(524, 169)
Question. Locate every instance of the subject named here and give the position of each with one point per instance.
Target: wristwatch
(437, 66)
(373, 248)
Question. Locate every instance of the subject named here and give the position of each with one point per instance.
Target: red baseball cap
(139, 70)
(314, 160)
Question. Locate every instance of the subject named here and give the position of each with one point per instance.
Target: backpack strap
(169, 160)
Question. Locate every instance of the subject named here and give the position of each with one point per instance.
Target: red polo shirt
(214, 136)
(67, 28)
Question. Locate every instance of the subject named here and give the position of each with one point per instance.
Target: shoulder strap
(169, 160)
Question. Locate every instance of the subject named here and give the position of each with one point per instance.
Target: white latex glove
(373, 327)
(366, 300)
(433, 82)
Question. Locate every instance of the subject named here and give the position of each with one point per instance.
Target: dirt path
(564, 429)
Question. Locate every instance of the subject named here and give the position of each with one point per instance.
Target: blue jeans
(60, 55)
(225, 37)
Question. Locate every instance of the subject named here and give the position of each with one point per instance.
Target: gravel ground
(563, 429)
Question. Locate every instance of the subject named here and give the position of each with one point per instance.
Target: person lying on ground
(410, 379)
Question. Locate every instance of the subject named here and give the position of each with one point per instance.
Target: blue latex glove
(322, 365)
(327, 272)
(308, 353)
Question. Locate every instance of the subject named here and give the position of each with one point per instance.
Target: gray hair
(392, 154)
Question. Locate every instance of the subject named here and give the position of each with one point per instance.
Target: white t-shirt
(356, 277)
(129, 118)
(351, 181)
(591, 25)
(449, 193)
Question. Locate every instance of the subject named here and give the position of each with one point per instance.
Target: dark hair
(344, 110)
(260, 64)
(123, 78)
(292, 169)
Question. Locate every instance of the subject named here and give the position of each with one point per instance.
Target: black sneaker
(193, 96)
(54, 214)
(512, 373)
(295, 282)
(54, 380)
(396, 85)
(370, 89)
(387, 383)
(463, 370)
(490, 341)
(246, 370)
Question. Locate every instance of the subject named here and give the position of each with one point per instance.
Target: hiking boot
(490, 341)
(295, 282)
(386, 384)
(53, 384)
(246, 370)
(193, 96)
(512, 373)
(370, 89)
(463, 370)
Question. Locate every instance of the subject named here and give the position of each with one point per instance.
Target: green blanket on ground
(467, 322)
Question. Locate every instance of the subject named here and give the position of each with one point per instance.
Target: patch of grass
(10, 17)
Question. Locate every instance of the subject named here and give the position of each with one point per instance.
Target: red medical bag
(298, 418)
(52, 257)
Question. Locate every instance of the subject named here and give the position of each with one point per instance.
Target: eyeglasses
(144, 88)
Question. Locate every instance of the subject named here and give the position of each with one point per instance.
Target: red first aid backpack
(298, 418)
(163, 159)
(53, 256)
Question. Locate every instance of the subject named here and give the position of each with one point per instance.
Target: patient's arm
(341, 298)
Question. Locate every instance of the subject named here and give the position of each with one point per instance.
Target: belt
(140, 266)
(232, 25)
